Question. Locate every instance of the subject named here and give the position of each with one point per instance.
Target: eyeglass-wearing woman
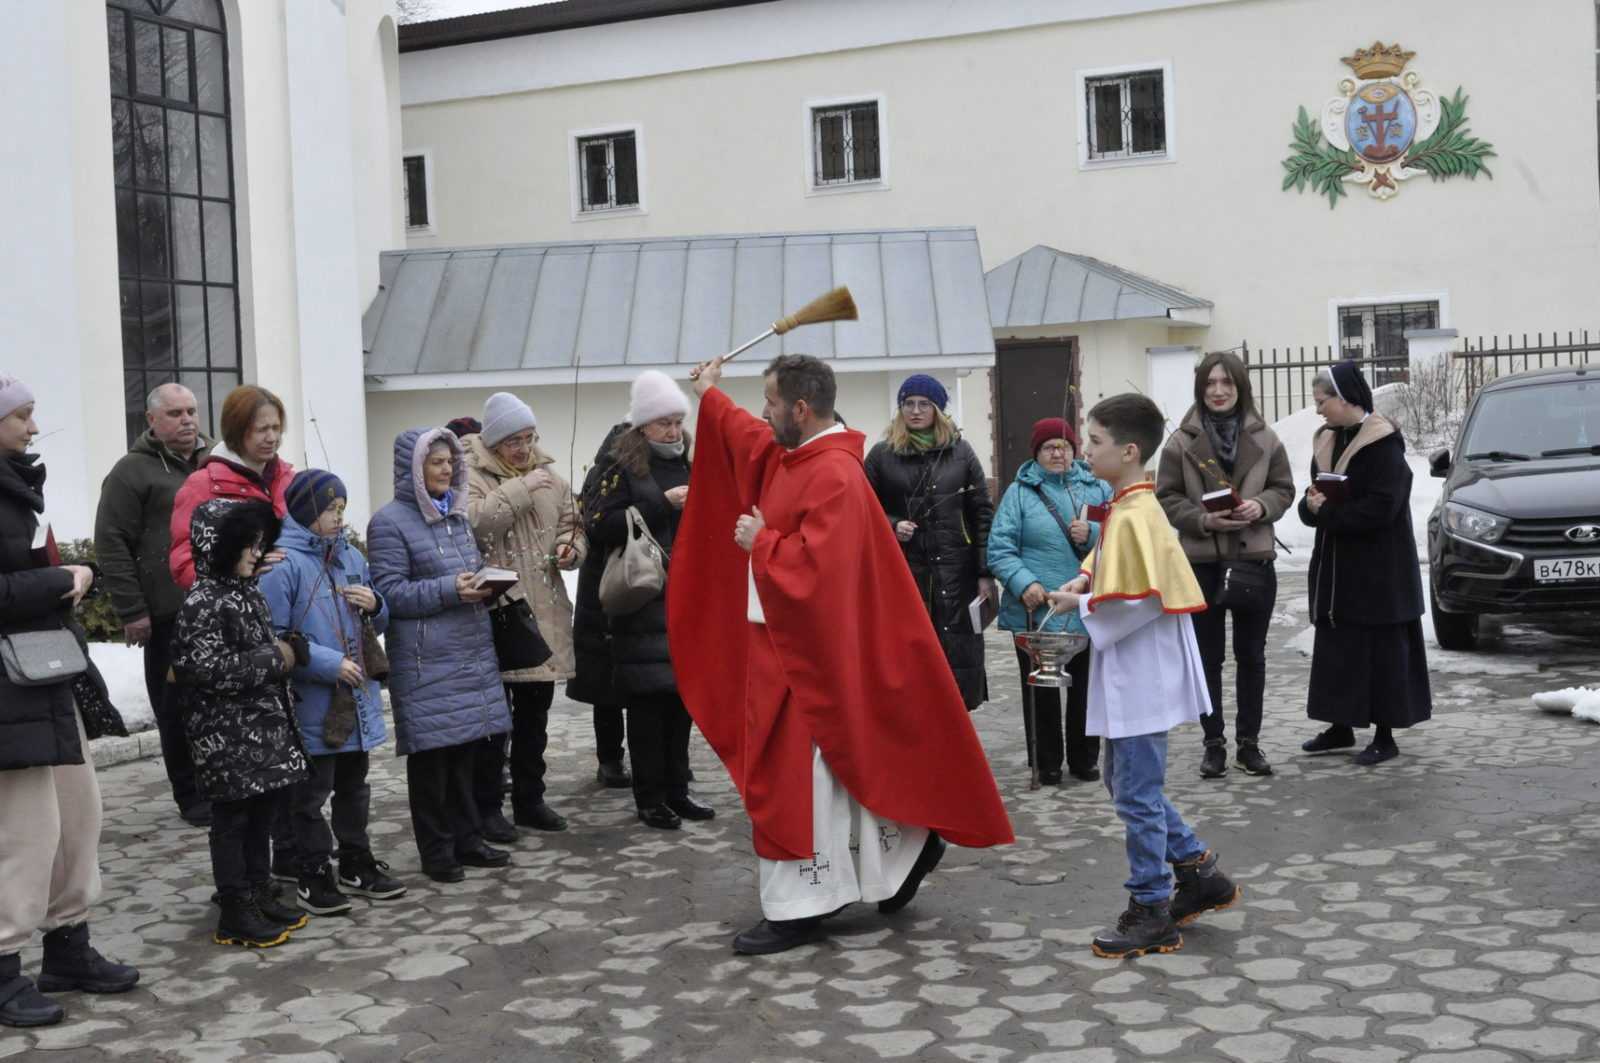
(931, 485)
(1041, 533)
(1223, 443)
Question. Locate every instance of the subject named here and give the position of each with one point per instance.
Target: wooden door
(1034, 379)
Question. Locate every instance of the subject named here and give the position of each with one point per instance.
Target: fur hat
(926, 386)
(504, 415)
(310, 493)
(1048, 429)
(464, 426)
(655, 395)
(14, 395)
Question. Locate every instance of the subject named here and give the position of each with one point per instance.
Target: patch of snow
(1588, 707)
(1582, 702)
(123, 669)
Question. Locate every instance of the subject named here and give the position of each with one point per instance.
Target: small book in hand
(1224, 501)
(498, 580)
(982, 611)
(1095, 514)
(1334, 488)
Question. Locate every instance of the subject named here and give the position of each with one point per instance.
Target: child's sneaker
(319, 893)
(367, 876)
(1142, 928)
(274, 910)
(1202, 888)
(241, 923)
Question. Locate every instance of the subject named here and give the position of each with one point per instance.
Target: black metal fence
(1478, 364)
(1281, 377)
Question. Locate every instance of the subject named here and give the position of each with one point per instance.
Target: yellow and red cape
(1139, 556)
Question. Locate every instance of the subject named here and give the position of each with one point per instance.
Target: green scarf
(922, 440)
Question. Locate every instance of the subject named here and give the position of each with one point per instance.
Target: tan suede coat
(1260, 471)
(519, 529)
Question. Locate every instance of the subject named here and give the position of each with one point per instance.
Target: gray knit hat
(505, 415)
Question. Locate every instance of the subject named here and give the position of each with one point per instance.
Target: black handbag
(517, 641)
(1246, 586)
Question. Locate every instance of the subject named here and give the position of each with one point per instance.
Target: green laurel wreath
(1449, 152)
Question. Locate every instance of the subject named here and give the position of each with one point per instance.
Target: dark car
(1517, 528)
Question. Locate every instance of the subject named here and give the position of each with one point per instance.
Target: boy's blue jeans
(1135, 774)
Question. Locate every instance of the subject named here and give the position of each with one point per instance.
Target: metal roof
(1043, 286)
(546, 18)
(599, 310)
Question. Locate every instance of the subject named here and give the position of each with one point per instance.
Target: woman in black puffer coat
(931, 484)
(648, 469)
(49, 798)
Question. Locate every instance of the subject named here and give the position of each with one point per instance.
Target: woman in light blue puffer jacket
(1032, 551)
(444, 679)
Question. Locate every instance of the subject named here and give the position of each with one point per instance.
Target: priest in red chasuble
(803, 654)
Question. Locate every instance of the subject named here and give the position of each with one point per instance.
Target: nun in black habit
(1368, 665)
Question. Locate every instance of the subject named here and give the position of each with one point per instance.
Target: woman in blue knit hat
(323, 590)
(932, 487)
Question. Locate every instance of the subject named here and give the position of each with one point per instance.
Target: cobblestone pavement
(1441, 907)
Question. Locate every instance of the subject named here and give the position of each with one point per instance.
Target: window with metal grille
(414, 175)
(608, 172)
(845, 144)
(1127, 115)
(1378, 332)
(177, 260)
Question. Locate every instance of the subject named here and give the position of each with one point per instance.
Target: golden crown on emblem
(1379, 61)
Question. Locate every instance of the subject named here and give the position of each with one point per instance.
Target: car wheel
(1455, 631)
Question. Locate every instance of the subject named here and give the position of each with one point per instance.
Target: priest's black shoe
(1377, 754)
(498, 829)
(21, 1003)
(540, 817)
(688, 808)
(1050, 777)
(484, 856)
(1214, 762)
(777, 935)
(932, 852)
(660, 817)
(1142, 928)
(612, 775)
(451, 874)
(1335, 737)
(70, 962)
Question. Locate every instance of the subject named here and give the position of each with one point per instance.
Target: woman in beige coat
(1223, 443)
(524, 518)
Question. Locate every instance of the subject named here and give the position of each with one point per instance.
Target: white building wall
(983, 130)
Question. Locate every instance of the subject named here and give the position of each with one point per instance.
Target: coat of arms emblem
(1381, 130)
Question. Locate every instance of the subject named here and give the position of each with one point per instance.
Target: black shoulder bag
(1247, 586)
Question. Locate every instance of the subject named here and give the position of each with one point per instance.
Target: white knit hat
(655, 395)
(14, 395)
(505, 415)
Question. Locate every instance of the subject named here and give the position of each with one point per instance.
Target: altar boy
(1135, 593)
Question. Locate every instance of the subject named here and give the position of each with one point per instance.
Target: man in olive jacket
(131, 537)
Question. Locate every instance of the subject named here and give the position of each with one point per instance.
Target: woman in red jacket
(245, 465)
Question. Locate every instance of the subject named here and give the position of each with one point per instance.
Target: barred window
(845, 144)
(1127, 115)
(608, 172)
(1377, 332)
(177, 260)
(415, 193)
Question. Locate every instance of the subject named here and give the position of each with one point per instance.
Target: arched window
(176, 249)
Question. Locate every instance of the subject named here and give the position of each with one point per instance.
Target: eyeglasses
(917, 406)
(1057, 450)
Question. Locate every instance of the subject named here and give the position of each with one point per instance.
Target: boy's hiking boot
(1202, 887)
(241, 923)
(1250, 759)
(1142, 928)
(21, 1003)
(319, 894)
(70, 962)
(367, 876)
(275, 911)
(1214, 762)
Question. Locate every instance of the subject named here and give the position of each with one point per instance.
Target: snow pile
(123, 669)
(1581, 702)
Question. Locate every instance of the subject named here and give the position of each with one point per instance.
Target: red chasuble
(847, 659)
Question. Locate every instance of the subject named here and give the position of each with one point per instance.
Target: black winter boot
(1214, 763)
(70, 962)
(1249, 758)
(265, 894)
(1141, 929)
(241, 923)
(1202, 887)
(21, 1004)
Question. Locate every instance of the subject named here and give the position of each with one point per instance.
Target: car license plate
(1566, 569)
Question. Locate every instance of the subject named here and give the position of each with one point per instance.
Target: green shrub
(98, 618)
